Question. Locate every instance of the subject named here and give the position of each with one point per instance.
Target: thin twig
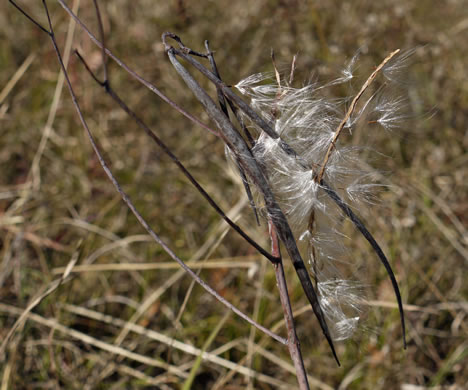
(293, 341)
(103, 40)
(279, 94)
(106, 85)
(125, 197)
(131, 72)
(350, 112)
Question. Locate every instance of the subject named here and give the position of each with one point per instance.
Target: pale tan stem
(350, 112)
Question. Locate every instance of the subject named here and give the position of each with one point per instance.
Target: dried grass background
(121, 323)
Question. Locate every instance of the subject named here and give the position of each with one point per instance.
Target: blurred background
(128, 317)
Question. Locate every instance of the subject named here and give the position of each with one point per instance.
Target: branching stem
(131, 72)
(126, 198)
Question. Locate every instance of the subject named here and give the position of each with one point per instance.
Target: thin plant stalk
(124, 196)
(110, 91)
(350, 111)
(131, 72)
(293, 342)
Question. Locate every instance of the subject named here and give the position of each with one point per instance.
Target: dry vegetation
(126, 317)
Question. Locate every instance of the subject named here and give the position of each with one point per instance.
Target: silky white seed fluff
(306, 118)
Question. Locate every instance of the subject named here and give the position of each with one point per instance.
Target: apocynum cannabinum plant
(289, 154)
(310, 122)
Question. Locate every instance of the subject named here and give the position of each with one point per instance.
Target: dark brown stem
(103, 40)
(293, 342)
